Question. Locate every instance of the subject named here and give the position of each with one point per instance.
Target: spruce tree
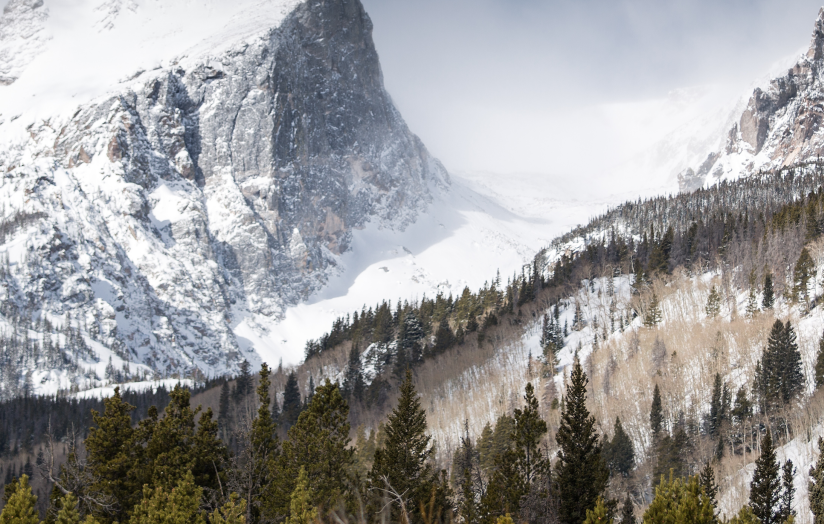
(291, 402)
(301, 509)
(111, 456)
(803, 272)
(598, 514)
(765, 488)
(223, 407)
(654, 315)
(403, 461)
(233, 512)
(19, 508)
(319, 443)
(353, 384)
(815, 488)
(819, 364)
(243, 383)
(582, 475)
(619, 453)
(444, 338)
(263, 448)
(713, 303)
(707, 481)
(656, 412)
(716, 415)
(769, 297)
(785, 508)
(680, 500)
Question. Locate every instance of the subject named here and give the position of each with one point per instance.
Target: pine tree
(628, 512)
(707, 481)
(752, 297)
(619, 453)
(815, 488)
(223, 406)
(301, 509)
(656, 412)
(19, 508)
(716, 415)
(598, 514)
(742, 408)
(654, 315)
(318, 442)
(243, 383)
(353, 384)
(582, 475)
(68, 513)
(785, 508)
(769, 297)
(819, 364)
(778, 377)
(178, 505)
(291, 402)
(765, 488)
(111, 455)
(444, 338)
(713, 303)
(403, 461)
(678, 501)
(233, 512)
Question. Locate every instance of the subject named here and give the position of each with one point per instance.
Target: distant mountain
(175, 176)
(781, 124)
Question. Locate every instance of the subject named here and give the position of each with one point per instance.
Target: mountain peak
(816, 51)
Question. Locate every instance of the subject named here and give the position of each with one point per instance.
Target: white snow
(145, 385)
(87, 48)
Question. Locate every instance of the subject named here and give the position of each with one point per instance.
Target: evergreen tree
(243, 383)
(713, 303)
(744, 516)
(619, 453)
(769, 297)
(765, 488)
(582, 475)
(742, 408)
(19, 508)
(223, 406)
(599, 514)
(319, 443)
(627, 512)
(403, 461)
(778, 377)
(178, 505)
(654, 315)
(804, 271)
(717, 413)
(819, 364)
(301, 509)
(353, 384)
(785, 508)
(656, 412)
(68, 513)
(707, 481)
(291, 402)
(444, 338)
(678, 501)
(233, 512)
(111, 456)
(815, 488)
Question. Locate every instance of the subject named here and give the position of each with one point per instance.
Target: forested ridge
(290, 445)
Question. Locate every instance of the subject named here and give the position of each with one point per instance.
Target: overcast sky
(514, 85)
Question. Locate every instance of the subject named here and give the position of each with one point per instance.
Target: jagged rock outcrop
(210, 194)
(781, 125)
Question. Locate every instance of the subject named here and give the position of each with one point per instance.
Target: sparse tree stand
(582, 475)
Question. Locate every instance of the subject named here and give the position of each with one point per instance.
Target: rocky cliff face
(208, 195)
(781, 125)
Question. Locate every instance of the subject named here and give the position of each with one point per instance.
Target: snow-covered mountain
(174, 173)
(781, 124)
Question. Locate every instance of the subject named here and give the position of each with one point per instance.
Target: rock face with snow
(781, 125)
(209, 193)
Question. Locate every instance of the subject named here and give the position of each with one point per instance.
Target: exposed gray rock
(212, 194)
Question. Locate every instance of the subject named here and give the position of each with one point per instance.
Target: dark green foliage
(765, 488)
(769, 295)
(778, 377)
(742, 408)
(819, 364)
(353, 384)
(671, 452)
(403, 461)
(581, 473)
(719, 407)
(785, 508)
(656, 412)
(815, 488)
(291, 402)
(444, 338)
(619, 453)
(318, 442)
(707, 481)
(627, 512)
(223, 406)
(243, 383)
(803, 272)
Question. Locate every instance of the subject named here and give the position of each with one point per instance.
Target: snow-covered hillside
(174, 172)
